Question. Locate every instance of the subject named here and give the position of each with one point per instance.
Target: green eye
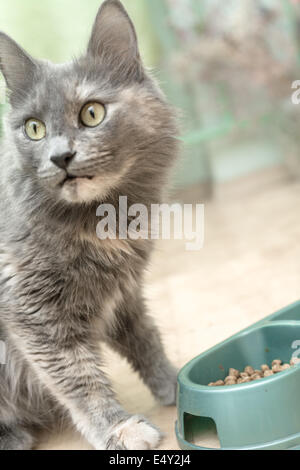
(35, 129)
(92, 114)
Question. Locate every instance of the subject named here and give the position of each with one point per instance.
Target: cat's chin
(85, 190)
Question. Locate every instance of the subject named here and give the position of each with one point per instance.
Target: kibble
(267, 373)
(249, 370)
(244, 375)
(219, 383)
(249, 374)
(234, 373)
(231, 382)
(256, 376)
(245, 380)
(229, 378)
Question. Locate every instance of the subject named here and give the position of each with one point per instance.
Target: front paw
(167, 390)
(133, 434)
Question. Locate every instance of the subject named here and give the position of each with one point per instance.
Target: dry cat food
(249, 374)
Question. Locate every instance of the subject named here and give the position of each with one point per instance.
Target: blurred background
(228, 66)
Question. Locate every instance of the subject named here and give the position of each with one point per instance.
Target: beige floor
(248, 268)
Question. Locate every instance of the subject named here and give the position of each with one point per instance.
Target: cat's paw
(167, 394)
(134, 434)
(167, 390)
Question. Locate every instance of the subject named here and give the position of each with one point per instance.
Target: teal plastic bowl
(263, 414)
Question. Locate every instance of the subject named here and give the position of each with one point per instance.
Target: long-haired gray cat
(77, 135)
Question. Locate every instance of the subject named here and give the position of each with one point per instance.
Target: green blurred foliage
(59, 29)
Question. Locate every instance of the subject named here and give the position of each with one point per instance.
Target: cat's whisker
(94, 167)
(49, 176)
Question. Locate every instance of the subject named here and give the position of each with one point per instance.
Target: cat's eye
(92, 114)
(35, 129)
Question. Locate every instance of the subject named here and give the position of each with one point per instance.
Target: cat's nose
(62, 160)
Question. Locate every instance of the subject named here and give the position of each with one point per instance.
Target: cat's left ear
(114, 40)
(16, 65)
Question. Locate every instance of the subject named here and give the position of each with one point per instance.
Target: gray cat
(77, 135)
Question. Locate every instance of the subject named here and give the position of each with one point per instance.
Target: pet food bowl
(263, 414)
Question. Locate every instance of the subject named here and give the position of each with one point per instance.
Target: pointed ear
(114, 40)
(16, 65)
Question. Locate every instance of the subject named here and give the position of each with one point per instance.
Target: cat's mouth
(71, 179)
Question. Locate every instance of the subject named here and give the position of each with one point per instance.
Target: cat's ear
(16, 65)
(114, 40)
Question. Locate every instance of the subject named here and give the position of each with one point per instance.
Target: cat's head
(84, 129)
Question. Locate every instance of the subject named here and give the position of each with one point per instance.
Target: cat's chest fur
(80, 279)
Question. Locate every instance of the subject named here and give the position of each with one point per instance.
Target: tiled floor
(248, 268)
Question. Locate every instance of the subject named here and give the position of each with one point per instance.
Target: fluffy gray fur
(62, 290)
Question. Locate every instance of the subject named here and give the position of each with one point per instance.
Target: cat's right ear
(16, 65)
(114, 41)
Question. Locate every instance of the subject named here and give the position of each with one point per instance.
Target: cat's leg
(68, 364)
(25, 405)
(15, 437)
(135, 336)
